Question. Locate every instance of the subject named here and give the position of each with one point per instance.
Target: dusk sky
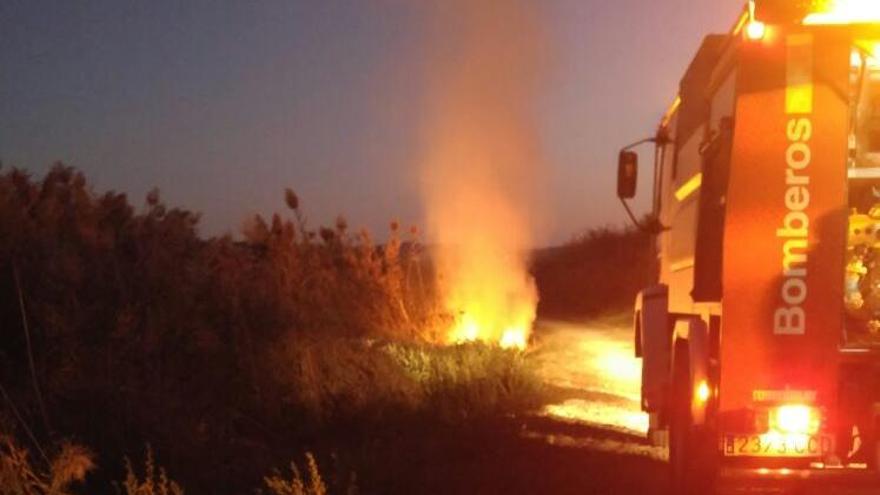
(223, 104)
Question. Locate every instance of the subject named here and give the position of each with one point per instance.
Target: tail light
(703, 392)
(795, 419)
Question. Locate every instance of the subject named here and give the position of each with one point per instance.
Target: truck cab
(760, 341)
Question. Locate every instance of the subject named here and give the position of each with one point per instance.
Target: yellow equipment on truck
(761, 338)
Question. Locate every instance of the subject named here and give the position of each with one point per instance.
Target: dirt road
(595, 417)
(592, 369)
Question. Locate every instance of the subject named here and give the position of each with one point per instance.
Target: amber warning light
(844, 12)
(817, 12)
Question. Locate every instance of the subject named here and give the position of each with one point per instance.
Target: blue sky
(222, 104)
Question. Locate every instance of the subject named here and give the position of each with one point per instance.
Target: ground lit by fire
(594, 365)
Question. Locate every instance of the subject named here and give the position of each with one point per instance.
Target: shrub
(599, 271)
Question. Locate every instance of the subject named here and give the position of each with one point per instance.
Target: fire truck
(760, 341)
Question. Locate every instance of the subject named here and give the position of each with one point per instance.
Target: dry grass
(19, 475)
(296, 484)
(207, 348)
(469, 381)
(154, 481)
(368, 381)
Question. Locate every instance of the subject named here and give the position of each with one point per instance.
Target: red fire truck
(760, 341)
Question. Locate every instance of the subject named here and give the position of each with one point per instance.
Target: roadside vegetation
(228, 356)
(595, 274)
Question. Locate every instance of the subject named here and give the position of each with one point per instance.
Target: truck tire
(691, 456)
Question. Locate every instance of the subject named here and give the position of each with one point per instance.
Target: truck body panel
(786, 220)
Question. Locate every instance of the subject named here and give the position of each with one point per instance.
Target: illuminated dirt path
(595, 381)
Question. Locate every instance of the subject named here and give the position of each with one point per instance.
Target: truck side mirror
(627, 174)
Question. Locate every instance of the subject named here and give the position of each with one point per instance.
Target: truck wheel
(691, 458)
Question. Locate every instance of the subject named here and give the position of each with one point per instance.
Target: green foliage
(18, 476)
(469, 381)
(354, 380)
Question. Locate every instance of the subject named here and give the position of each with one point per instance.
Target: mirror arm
(661, 138)
(631, 214)
(654, 226)
(639, 143)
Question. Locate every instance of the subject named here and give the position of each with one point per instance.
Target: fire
(490, 319)
(845, 12)
(470, 330)
(480, 165)
(515, 338)
(486, 282)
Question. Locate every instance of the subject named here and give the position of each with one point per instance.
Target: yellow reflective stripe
(689, 187)
(799, 74)
(741, 22)
(667, 117)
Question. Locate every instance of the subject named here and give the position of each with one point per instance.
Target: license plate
(777, 445)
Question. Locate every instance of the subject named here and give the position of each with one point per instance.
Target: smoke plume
(481, 163)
